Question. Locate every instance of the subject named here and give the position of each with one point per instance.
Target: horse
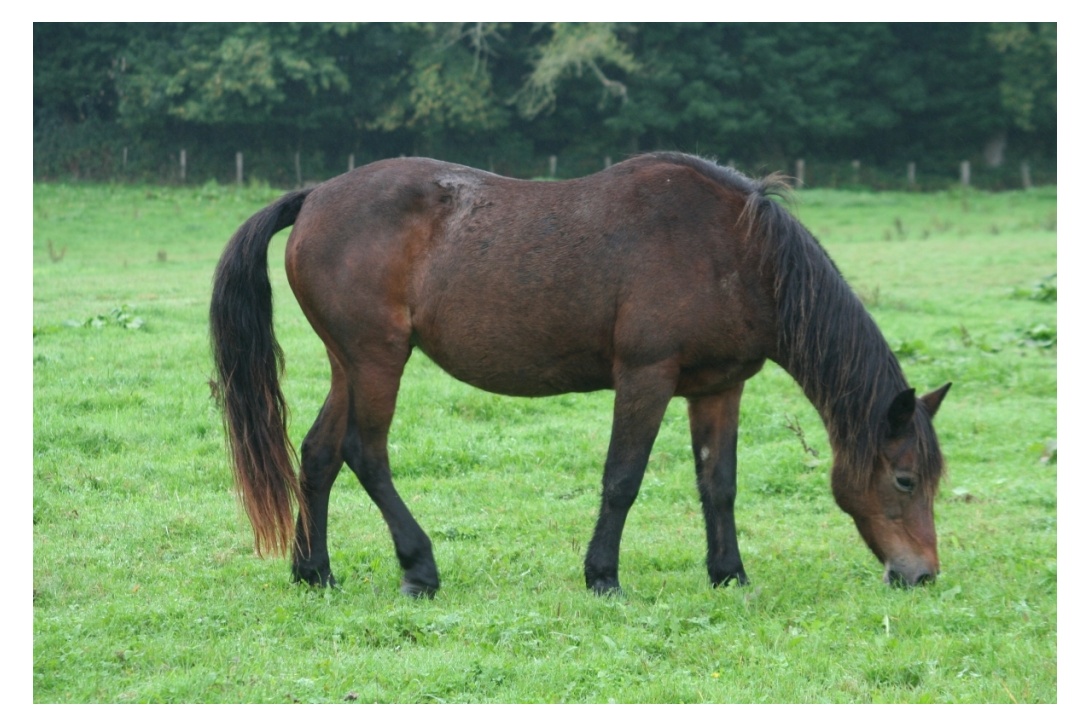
(665, 275)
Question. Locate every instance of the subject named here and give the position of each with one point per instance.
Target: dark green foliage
(121, 316)
(508, 95)
(1043, 290)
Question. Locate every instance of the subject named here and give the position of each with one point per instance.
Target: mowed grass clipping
(146, 588)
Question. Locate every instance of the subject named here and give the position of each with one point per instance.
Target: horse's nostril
(899, 580)
(896, 579)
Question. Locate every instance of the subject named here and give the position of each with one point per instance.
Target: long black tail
(249, 362)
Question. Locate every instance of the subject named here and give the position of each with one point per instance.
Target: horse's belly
(526, 361)
(506, 372)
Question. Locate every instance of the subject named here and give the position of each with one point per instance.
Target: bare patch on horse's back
(458, 181)
(460, 194)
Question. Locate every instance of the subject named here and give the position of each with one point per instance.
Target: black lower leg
(411, 544)
(640, 402)
(714, 425)
(717, 493)
(603, 555)
(310, 559)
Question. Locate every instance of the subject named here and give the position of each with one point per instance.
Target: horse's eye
(905, 484)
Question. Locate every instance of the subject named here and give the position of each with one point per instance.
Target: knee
(620, 494)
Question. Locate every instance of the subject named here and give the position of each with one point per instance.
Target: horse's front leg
(641, 399)
(713, 422)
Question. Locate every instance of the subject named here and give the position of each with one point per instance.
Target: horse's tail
(248, 364)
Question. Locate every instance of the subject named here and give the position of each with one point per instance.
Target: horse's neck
(832, 347)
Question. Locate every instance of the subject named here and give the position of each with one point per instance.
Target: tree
(572, 49)
(685, 94)
(757, 93)
(1027, 72)
(218, 73)
(445, 83)
(75, 69)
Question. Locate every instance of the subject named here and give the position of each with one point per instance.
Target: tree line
(121, 99)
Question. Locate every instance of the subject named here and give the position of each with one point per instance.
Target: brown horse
(665, 275)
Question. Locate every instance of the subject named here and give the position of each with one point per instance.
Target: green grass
(146, 588)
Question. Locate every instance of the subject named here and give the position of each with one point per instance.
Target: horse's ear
(932, 401)
(901, 411)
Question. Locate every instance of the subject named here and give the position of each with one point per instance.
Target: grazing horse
(665, 275)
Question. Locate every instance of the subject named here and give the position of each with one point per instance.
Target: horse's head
(893, 509)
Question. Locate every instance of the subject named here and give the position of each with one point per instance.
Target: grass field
(146, 588)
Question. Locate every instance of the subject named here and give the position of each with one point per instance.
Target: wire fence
(146, 163)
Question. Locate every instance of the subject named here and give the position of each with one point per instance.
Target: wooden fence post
(238, 167)
(181, 164)
(800, 172)
(912, 174)
(351, 162)
(552, 166)
(965, 174)
(608, 162)
(1026, 183)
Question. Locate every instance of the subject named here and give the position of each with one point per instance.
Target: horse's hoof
(739, 576)
(604, 587)
(311, 577)
(418, 590)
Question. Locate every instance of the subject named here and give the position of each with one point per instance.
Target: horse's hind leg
(713, 422)
(373, 395)
(321, 460)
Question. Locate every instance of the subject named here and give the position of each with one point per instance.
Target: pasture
(146, 588)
